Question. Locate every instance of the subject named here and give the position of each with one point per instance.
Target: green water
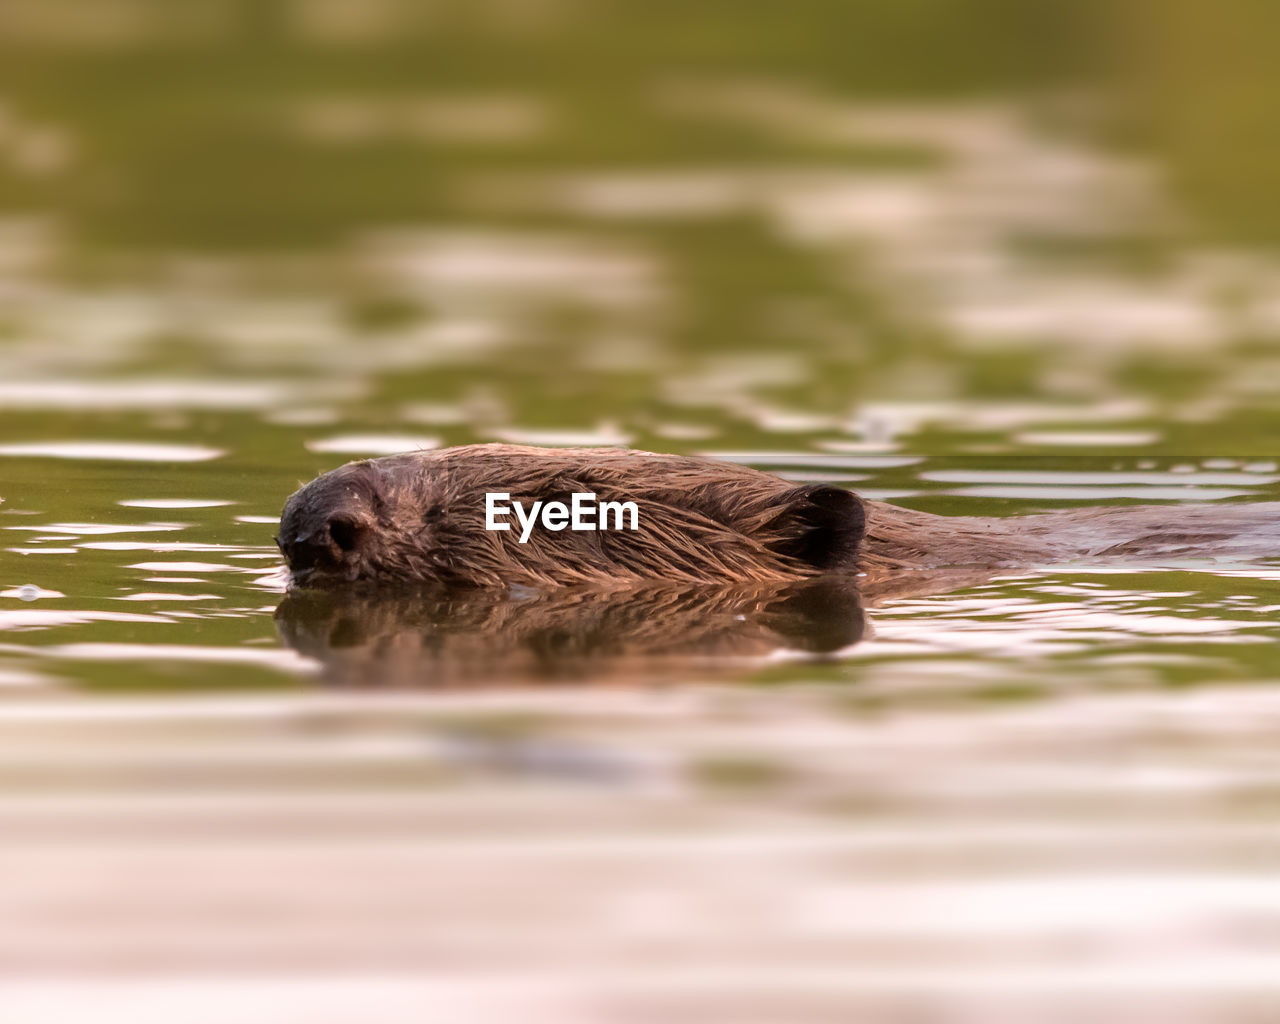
(870, 244)
(164, 575)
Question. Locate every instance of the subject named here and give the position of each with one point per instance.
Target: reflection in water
(444, 638)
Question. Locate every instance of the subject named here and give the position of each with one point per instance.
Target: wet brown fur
(419, 518)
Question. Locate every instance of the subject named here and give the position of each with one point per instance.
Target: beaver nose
(304, 550)
(327, 546)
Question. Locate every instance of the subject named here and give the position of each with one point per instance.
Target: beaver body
(421, 518)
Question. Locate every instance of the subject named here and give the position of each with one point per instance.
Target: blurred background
(664, 223)
(987, 257)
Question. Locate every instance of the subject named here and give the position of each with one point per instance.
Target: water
(980, 274)
(641, 804)
(136, 563)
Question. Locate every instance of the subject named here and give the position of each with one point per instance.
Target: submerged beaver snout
(329, 547)
(323, 546)
(326, 528)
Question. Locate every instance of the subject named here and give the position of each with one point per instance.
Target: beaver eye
(344, 533)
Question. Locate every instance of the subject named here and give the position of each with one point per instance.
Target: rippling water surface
(653, 806)
(152, 566)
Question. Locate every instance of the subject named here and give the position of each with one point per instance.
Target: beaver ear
(820, 525)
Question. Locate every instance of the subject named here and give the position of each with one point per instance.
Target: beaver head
(421, 518)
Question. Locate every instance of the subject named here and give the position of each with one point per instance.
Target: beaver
(420, 518)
